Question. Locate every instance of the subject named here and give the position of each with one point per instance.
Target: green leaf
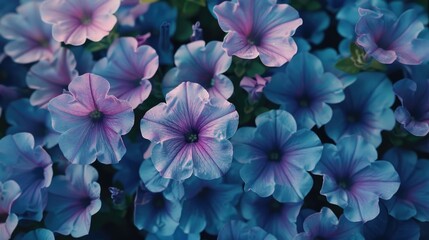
(255, 67)
(183, 30)
(103, 44)
(347, 65)
(202, 3)
(190, 9)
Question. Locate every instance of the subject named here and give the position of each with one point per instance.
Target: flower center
(304, 103)
(96, 115)
(274, 156)
(352, 118)
(191, 137)
(344, 184)
(275, 206)
(85, 20)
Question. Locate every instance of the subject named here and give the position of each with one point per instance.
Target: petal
(238, 45)
(258, 176)
(89, 89)
(78, 144)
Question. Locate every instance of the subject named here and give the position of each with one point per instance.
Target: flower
(30, 38)
(413, 114)
(201, 64)
(388, 38)
(9, 192)
(31, 167)
(90, 121)
(130, 10)
(238, 230)
(277, 157)
(208, 205)
(75, 21)
(314, 26)
(275, 217)
(325, 225)
(38, 234)
(73, 199)
(305, 90)
(353, 180)
(365, 110)
(128, 68)
(410, 200)
(188, 132)
(259, 28)
(50, 78)
(254, 86)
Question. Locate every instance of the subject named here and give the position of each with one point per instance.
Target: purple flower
(128, 68)
(189, 131)
(9, 192)
(411, 198)
(72, 200)
(31, 167)
(325, 225)
(50, 78)
(277, 157)
(353, 180)
(259, 28)
(388, 38)
(254, 86)
(304, 89)
(31, 39)
(414, 112)
(130, 10)
(90, 121)
(201, 64)
(74, 21)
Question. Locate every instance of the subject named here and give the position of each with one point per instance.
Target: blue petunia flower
(314, 25)
(276, 156)
(325, 225)
(188, 132)
(411, 198)
(23, 117)
(304, 89)
(128, 68)
(365, 110)
(388, 38)
(203, 64)
(238, 230)
(353, 180)
(387, 227)
(275, 217)
(90, 121)
(38, 234)
(31, 167)
(157, 213)
(208, 205)
(9, 192)
(73, 198)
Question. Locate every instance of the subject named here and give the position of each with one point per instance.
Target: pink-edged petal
(89, 89)
(238, 45)
(117, 115)
(277, 50)
(79, 144)
(110, 147)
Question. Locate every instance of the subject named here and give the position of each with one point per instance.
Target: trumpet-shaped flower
(30, 38)
(31, 167)
(73, 199)
(277, 157)
(305, 90)
(189, 131)
(90, 121)
(353, 180)
(254, 87)
(259, 28)
(9, 192)
(74, 21)
(203, 64)
(128, 68)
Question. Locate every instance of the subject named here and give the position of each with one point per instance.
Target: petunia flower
(325, 225)
(9, 192)
(365, 110)
(354, 180)
(304, 89)
(128, 68)
(31, 167)
(254, 86)
(73, 199)
(411, 198)
(413, 114)
(50, 78)
(314, 26)
(30, 38)
(277, 218)
(203, 64)
(188, 132)
(23, 117)
(276, 156)
(208, 205)
(38, 234)
(130, 10)
(90, 121)
(388, 38)
(259, 28)
(75, 21)
(238, 230)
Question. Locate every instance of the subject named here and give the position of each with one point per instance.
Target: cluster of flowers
(266, 134)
